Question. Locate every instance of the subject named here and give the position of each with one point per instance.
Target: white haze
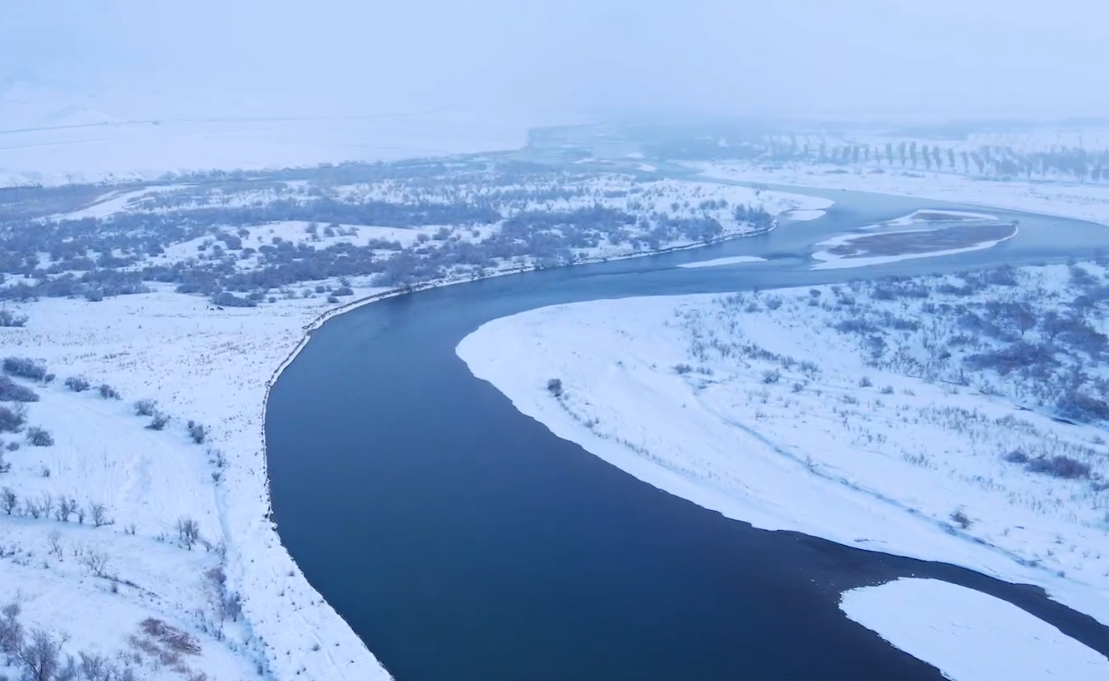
(545, 58)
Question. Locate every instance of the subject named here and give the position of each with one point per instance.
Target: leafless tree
(99, 515)
(189, 532)
(11, 631)
(66, 508)
(47, 504)
(8, 500)
(41, 657)
(95, 667)
(95, 561)
(55, 541)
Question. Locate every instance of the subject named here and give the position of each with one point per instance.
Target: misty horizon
(549, 62)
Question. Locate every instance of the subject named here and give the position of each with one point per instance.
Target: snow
(970, 636)
(1061, 199)
(681, 393)
(717, 262)
(200, 364)
(53, 137)
(833, 261)
(804, 215)
(214, 367)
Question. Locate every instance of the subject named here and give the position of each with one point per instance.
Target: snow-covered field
(1062, 199)
(200, 364)
(211, 367)
(846, 413)
(939, 623)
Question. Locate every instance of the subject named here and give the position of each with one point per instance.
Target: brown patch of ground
(903, 243)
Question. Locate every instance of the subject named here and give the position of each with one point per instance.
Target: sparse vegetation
(23, 367)
(145, 407)
(10, 391)
(39, 437)
(108, 392)
(197, 432)
(11, 319)
(554, 387)
(77, 384)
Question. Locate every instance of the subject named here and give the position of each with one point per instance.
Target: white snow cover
(201, 364)
(1062, 199)
(834, 261)
(215, 367)
(675, 391)
(717, 262)
(969, 635)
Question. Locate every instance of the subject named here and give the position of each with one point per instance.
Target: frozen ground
(1063, 199)
(875, 415)
(970, 636)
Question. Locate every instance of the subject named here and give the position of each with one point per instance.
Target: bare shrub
(4, 465)
(1074, 405)
(95, 667)
(66, 508)
(188, 531)
(10, 391)
(39, 437)
(865, 382)
(11, 631)
(1016, 456)
(9, 500)
(145, 407)
(77, 384)
(771, 376)
(24, 367)
(10, 319)
(171, 637)
(108, 392)
(95, 562)
(197, 432)
(554, 386)
(960, 518)
(158, 421)
(682, 368)
(1060, 467)
(12, 418)
(99, 515)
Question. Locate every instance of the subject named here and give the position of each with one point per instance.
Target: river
(463, 541)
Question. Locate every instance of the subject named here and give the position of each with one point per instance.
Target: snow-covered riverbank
(773, 409)
(213, 367)
(939, 622)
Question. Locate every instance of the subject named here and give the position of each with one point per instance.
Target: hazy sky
(550, 58)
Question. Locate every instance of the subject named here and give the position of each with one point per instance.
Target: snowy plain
(1062, 199)
(946, 620)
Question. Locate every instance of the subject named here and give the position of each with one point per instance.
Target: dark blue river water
(463, 541)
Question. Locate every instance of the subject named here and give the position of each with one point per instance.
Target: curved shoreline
(334, 312)
(322, 318)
